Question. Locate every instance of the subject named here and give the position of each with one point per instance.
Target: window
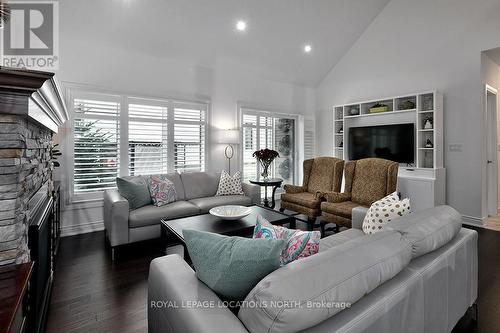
(121, 135)
(148, 139)
(189, 137)
(249, 146)
(96, 140)
(309, 138)
(263, 129)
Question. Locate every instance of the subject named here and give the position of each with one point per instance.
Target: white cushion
(230, 185)
(383, 211)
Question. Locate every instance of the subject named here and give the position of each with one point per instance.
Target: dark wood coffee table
(171, 230)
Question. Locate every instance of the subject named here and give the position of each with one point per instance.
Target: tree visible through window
(95, 145)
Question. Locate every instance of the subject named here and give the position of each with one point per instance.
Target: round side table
(275, 183)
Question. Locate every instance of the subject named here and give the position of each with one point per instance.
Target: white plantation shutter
(189, 136)
(96, 140)
(249, 146)
(265, 132)
(309, 138)
(148, 139)
(257, 134)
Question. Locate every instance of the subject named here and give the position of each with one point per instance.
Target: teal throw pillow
(135, 190)
(232, 266)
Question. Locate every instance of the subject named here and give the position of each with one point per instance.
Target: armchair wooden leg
(475, 312)
(322, 226)
(310, 223)
(337, 228)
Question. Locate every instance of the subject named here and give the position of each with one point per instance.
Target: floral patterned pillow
(162, 190)
(300, 244)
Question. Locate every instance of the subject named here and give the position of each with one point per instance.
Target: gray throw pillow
(135, 190)
(232, 266)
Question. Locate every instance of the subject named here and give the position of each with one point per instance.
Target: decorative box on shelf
(378, 109)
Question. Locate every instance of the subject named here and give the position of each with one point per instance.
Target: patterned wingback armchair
(366, 181)
(321, 175)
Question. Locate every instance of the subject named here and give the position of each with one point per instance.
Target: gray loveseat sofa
(417, 275)
(195, 195)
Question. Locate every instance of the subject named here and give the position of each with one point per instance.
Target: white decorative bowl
(230, 212)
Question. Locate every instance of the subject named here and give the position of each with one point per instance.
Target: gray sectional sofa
(195, 195)
(417, 275)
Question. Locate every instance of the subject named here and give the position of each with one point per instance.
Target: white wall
(421, 45)
(84, 60)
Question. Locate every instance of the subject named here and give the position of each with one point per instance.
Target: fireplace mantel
(31, 111)
(33, 94)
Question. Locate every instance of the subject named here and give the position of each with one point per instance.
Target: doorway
(492, 150)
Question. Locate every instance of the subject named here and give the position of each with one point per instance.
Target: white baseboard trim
(83, 228)
(99, 225)
(473, 221)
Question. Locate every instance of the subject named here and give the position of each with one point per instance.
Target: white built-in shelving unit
(428, 164)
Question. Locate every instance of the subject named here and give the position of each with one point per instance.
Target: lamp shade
(229, 136)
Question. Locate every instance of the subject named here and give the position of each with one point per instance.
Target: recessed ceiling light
(307, 48)
(241, 25)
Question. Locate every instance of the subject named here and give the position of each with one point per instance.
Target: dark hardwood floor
(93, 294)
(489, 285)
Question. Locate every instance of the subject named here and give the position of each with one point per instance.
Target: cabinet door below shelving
(420, 192)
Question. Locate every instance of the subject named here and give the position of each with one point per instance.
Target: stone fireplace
(31, 109)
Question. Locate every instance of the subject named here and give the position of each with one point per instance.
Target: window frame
(77, 91)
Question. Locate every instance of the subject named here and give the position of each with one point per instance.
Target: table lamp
(230, 137)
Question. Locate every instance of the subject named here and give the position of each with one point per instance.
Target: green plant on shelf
(54, 155)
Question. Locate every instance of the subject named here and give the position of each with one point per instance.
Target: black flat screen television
(392, 142)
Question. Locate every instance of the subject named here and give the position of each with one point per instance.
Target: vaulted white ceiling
(203, 32)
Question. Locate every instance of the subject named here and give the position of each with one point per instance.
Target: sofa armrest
(293, 189)
(252, 191)
(180, 303)
(335, 197)
(358, 215)
(116, 211)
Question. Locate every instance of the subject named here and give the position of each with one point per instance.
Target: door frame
(492, 176)
(262, 110)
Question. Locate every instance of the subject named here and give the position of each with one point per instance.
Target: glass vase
(265, 172)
